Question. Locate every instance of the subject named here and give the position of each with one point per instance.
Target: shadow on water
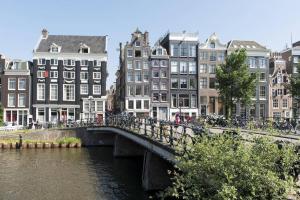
(123, 180)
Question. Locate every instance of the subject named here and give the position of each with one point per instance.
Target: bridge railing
(165, 132)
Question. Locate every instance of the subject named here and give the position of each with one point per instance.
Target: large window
(145, 65)
(138, 104)
(203, 68)
(69, 62)
(11, 100)
(193, 101)
(275, 103)
(284, 103)
(130, 89)
(203, 82)
(262, 77)
(138, 76)
(155, 97)
(99, 106)
(11, 84)
(146, 75)
(155, 86)
(221, 57)
(262, 63)
(138, 90)
(84, 89)
(192, 83)
(53, 92)
(174, 67)
(53, 74)
(69, 75)
(69, 92)
(130, 76)
(97, 89)
(192, 67)
(22, 84)
(97, 75)
(203, 55)
(183, 68)
(174, 100)
(262, 92)
(183, 83)
(155, 74)
(22, 100)
(129, 64)
(53, 62)
(213, 56)
(129, 52)
(184, 100)
(184, 50)
(212, 69)
(41, 61)
(163, 86)
(212, 83)
(130, 104)
(138, 64)
(84, 62)
(174, 50)
(84, 76)
(252, 62)
(192, 51)
(146, 90)
(174, 83)
(40, 91)
(146, 104)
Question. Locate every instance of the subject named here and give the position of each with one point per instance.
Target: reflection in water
(87, 173)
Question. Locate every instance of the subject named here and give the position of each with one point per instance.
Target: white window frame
(38, 92)
(41, 61)
(19, 88)
(8, 101)
(55, 62)
(94, 87)
(87, 78)
(84, 62)
(53, 99)
(21, 94)
(273, 102)
(81, 90)
(9, 83)
(64, 92)
(192, 64)
(55, 73)
(71, 60)
(72, 74)
(40, 73)
(98, 63)
(283, 103)
(96, 75)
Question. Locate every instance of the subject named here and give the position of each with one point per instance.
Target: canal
(84, 173)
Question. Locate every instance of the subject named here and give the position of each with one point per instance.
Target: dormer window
(84, 48)
(212, 45)
(54, 48)
(159, 51)
(137, 43)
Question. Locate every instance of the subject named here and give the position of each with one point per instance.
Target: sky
(272, 23)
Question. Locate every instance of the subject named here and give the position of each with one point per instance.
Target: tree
(227, 168)
(235, 83)
(294, 86)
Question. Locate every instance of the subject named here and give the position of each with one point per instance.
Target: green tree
(235, 82)
(294, 87)
(227, 168)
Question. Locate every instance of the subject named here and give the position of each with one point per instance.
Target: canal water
(69, 174)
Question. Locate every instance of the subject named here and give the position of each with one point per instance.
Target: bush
(226, 168)
(68, 140)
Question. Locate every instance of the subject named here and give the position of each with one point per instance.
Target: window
(84, 76)
(155, 86)
(174, 100)
(192, 67)
(137, 53)
(11, 100)
(174, 67)
(183, 68)
(174, 83)
(262, 92)
(276, 115)
(41, 61)
(184, 50)
(159, 51)
(163, 74)
(69, 62)
(138, 104)
(54, 62)
(203, 55)
(212, 45)
(203, 82)
(212, 83)
(138, 90)
(174, 50)
(69, 75)
(213, 56)
(192, 83)
(98, 63)
(145, 53)
(155, 74)
(84, 62)
(130, 104)
(138, 76)
(163, 63)
(137, 43)
(251, 62)
(22, 83)
(284, 103)
(221, 57)
(41, 74)
(184, 100)
(146, 90)
(279, 91)
(40, 91)
(192, 51)
(146, 75)
(53, 74)
(146, 104)
(84, 50)
(275, 103)
(183, 83)
(130, 76)
(129, 52)
(99, 106)
(22, 100)
(130, 89)
(138, 64)
(129, 64)
(203, 68)
(146, 66)
(193, 101)
(53, 92)
(155, 63)
(69, 92)
(40, 114)
(97, 89)
(163, 97)
(261, 110)
(163, 86)
(262, 77)
(262, 63)
(84, 89)
(97, 75)
(155, 97)
(212, 69)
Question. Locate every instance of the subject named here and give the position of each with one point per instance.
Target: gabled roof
(72, 43)
(212, 39)
(248, 45)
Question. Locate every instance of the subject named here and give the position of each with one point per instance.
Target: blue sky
(269, 22)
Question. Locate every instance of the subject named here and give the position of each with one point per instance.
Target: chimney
(146, 37)
(45, 33)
